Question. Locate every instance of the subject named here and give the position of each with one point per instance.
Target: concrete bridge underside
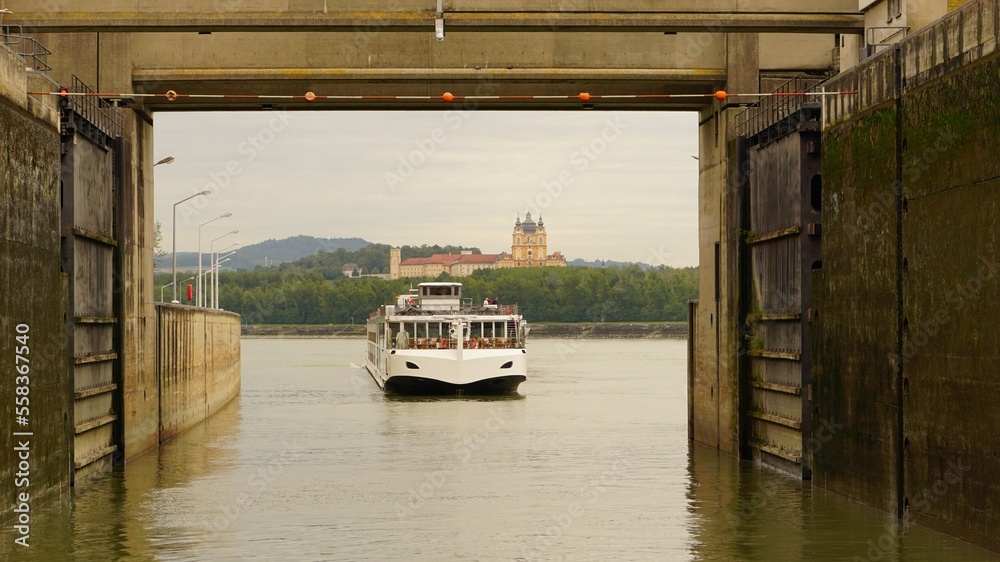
(365, 48)
(491, 47)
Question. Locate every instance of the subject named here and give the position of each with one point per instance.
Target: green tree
(158, 251)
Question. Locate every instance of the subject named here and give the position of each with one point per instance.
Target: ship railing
(452, 343)
(477, 309)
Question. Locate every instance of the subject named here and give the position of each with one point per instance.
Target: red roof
(451, 259)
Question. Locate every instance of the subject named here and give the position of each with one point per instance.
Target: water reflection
(745, 512)
(589, 462)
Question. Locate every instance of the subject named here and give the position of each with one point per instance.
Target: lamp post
(199, 301)
(170, 284)
(215, 275)
(206, 192)
(211, 252)
(219, 262)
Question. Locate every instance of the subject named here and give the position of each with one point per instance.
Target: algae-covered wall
(33, 329)
(908, 347)
(951, 279)
(855, 385)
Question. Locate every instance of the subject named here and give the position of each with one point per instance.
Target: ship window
(434, 330)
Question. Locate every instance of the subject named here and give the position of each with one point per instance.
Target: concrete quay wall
(908, 349)
(198, 365)
(32, 300)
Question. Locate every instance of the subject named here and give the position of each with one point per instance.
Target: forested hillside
(301, 295)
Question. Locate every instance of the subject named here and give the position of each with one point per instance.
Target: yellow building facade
(529, 248)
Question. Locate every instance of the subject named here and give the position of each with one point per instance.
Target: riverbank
(592, 330)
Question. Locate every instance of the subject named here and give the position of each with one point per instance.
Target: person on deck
(402, 340)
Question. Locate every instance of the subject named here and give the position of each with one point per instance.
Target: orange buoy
(721, 95)
(584, 96)
(448, 96)
(310, 96)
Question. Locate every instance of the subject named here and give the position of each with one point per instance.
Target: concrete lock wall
(33, 299)
(198, 365)
(907, 346)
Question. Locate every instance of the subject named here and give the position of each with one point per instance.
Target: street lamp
(200, 282)
(211, 251)
(171, 284)
(215, 278)
(206, 192)
(215, 275)
(166, 160)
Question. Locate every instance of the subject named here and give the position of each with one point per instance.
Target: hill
(275, 251)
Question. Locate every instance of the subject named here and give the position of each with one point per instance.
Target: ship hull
(445, 372)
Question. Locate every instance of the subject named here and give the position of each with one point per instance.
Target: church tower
(528, 242)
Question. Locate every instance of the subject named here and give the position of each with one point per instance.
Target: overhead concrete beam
(423, 21)
(389, 83)
(424, 74)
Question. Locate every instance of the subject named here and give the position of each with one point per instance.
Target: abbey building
(529, 248)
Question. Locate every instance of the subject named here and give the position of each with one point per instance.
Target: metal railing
(784, 101)
(94, 110)
(35, 55)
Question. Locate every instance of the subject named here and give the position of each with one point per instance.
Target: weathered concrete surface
(198, 365)
(951, 345)
(514, 49)
(828, 16)
(34, 294)
(909, 344)
(854, 383)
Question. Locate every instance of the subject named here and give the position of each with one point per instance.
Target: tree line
(299, 294)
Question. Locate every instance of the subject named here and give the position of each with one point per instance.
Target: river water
(590, 462)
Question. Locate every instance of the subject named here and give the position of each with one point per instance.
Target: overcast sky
(610, 185)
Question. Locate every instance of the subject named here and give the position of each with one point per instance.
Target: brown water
(592, 462)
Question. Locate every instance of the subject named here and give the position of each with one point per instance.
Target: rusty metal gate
(89, 236)
(781, 247)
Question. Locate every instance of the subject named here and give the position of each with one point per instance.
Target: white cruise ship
(434, 342)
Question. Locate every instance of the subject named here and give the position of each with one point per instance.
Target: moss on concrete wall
(929, 441)
(951, 354)
(34, 295)
(854, 380)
